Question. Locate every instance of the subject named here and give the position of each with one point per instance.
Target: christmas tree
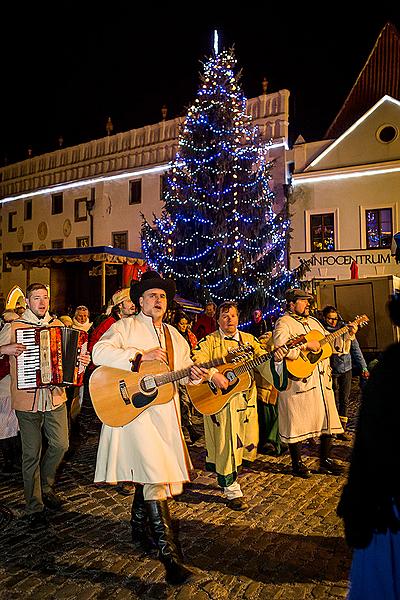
(218, 235)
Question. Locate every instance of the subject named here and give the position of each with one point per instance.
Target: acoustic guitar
(303, 366)
(209, 400)
(119, 396)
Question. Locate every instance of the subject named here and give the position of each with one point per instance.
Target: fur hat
(151, 280)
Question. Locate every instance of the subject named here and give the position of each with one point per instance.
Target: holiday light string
(219, 232)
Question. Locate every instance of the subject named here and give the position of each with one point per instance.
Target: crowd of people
(268, 408)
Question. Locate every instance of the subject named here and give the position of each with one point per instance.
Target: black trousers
(342, 388)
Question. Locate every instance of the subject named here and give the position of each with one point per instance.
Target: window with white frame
(379, 227)
(322, 232)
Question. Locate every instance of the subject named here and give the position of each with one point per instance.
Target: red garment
(203, 326)
(98, 332)
(192, 339)
(4, 366)
(354, 270)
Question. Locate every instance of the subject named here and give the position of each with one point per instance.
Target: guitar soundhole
(231, 377)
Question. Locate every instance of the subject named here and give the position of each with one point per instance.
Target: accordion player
(51, 357)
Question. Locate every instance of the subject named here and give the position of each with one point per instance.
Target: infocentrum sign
(340, 259)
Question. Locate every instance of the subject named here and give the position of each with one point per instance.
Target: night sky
(64, 72)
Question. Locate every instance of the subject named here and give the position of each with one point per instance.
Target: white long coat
(307, 407)
(151, 448)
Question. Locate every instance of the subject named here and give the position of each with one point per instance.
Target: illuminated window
(379, 227)
(82, 242)
(322, 232)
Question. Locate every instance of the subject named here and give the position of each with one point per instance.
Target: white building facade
(94, 194)
(345, 198)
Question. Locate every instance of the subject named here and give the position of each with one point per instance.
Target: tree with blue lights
(218, 235)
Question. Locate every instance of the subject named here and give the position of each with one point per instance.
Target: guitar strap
(169, 348)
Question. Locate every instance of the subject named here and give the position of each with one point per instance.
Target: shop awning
(44, 258)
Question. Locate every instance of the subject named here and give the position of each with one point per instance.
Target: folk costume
(307, 407)
(150, 450)
(38, 409)
(231, 435)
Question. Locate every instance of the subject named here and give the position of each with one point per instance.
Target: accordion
(51, 356)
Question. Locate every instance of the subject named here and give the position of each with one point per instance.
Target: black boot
(326, 464)
(139, 521)
(343, 437)
(160, 525)
(298, 467)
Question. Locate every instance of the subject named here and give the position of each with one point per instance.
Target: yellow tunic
(232, 434)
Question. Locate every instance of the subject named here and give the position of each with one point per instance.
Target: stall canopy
(82, 275)
(44, 258)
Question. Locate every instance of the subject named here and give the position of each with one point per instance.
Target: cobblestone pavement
(288, 545)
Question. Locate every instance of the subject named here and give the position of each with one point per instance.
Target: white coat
(307, 407)
(151, 448)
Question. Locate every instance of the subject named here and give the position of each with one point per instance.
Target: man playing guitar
(307, 407)
(232, 434)
(150, 450)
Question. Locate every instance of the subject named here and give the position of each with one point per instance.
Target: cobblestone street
(289, 544)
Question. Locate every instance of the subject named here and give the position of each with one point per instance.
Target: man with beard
(307, 407)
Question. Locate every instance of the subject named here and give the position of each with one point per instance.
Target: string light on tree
(218, 235)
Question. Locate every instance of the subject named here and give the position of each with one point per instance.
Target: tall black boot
(160, 525)
(298, 467)
(326, 464)
(139, 521)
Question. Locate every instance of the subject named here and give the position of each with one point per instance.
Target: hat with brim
(152, 280)
(120, 296)
(297, 294)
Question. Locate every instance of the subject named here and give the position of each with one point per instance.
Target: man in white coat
(307, 406)
(150, 450)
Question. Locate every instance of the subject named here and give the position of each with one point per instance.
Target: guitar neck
(255, 362)
(329, 338)
(172, 376)
(259, 360)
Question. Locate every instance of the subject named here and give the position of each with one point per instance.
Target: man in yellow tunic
(231, 435)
